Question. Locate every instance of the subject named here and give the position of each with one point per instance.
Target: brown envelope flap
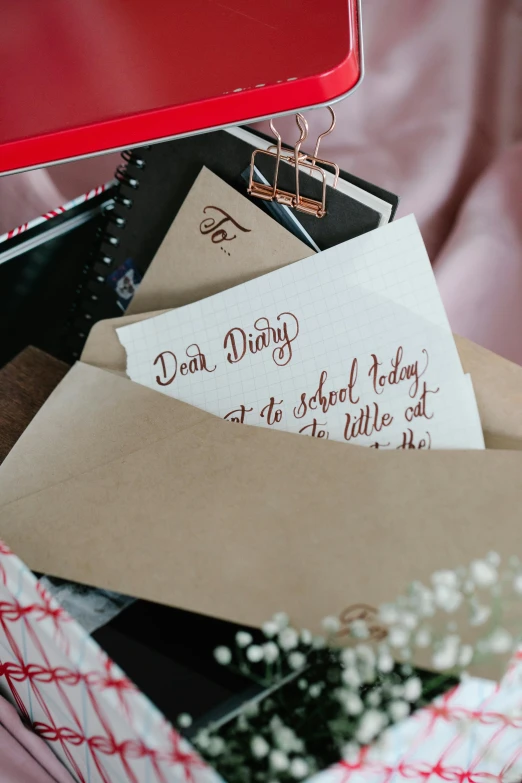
(497, 382)
(238, 522)
(91, 418)
(498, 388)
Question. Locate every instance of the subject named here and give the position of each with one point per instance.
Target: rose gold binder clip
(300, 160)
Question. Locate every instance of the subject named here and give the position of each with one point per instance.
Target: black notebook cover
(153, 186)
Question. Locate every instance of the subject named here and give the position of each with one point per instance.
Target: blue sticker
(125, 282)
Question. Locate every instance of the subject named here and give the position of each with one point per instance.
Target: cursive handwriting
(238, 415)
(326, 400)
(368, 421)
(409, 443)
(398, 373)
(213, 226)
(272, 413)
(169, 364)
(238, 342)
(315, 430)
(420, 410)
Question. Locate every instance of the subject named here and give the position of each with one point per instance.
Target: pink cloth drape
(24, 757)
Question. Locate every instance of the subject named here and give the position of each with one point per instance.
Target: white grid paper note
(256, 353)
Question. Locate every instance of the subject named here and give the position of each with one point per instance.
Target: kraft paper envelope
(116, 485)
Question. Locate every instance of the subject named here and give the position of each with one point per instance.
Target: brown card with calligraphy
(218, 240)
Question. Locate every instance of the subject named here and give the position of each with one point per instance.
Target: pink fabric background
(438, 120)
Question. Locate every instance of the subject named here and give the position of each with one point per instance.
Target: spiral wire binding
(102, 259)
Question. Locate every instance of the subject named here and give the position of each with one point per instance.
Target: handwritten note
(351, 344)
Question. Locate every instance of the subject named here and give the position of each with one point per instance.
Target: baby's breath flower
(302, 684)
(315, 690)
(318, 642)
(260, 747)
(348, 656)
(243, 638)
(270, 629)
(445, 578)
(385, 662)
(223, 655)
(465, 655)
(446, 656)
(255, 653)
(373, 699)
(286, 739)
(270, 652)
(351, 702)
(484, 574)
(447, 598)
(299, 768)
(371, 724)
(184, 720)
(398, 710)
(500, 641)
(494, 559)
(202, 739)
(306, 636)
(296, 660)
(331, 624)
(397, 691)
(480, 614)
(359, 629)
(350, 752)
(279, 761)
(398, 636)
(388, 614)
(409, 620)
(422, 600)
(216, 746)
(351, 678)
(412, 689)
(251, 709)
(281, 620)
(288, 639)
(517, 584)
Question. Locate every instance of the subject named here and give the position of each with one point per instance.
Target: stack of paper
(351, 344)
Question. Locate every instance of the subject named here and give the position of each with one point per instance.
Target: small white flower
(493, 558)
(285, 738)
(202, 739)
(296, 660)
(281, 620)
(348, 656)
(306, 636)
(398, 636)
(184, 720)
(260, 747)
(412, 689)
(251, 709)
(331, 624)
(481, 615)
(372, 722)
(299, 768)
(409, 620)
(270, 629)
(288, 639)
(279, 761)
(445, 578)
(315, 690)
(302, 685)
(270, 652)
(255, 653)
(216, 746)
(373, 699)
(397, 691)
(243, 638)
(465, 655)
(484, 574)
(351, 678)
(365, 655)
(500, 641)
(398, 710)
(351, 702)
(446, 656)
(447, 598)
(318, 642)
(350, 752)
(423, 600)
(388, 614)
(242, 723)
(359, 629)
(517, 584)
(223, 655)
(385, 661)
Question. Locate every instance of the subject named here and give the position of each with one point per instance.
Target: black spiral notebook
(153, 184)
